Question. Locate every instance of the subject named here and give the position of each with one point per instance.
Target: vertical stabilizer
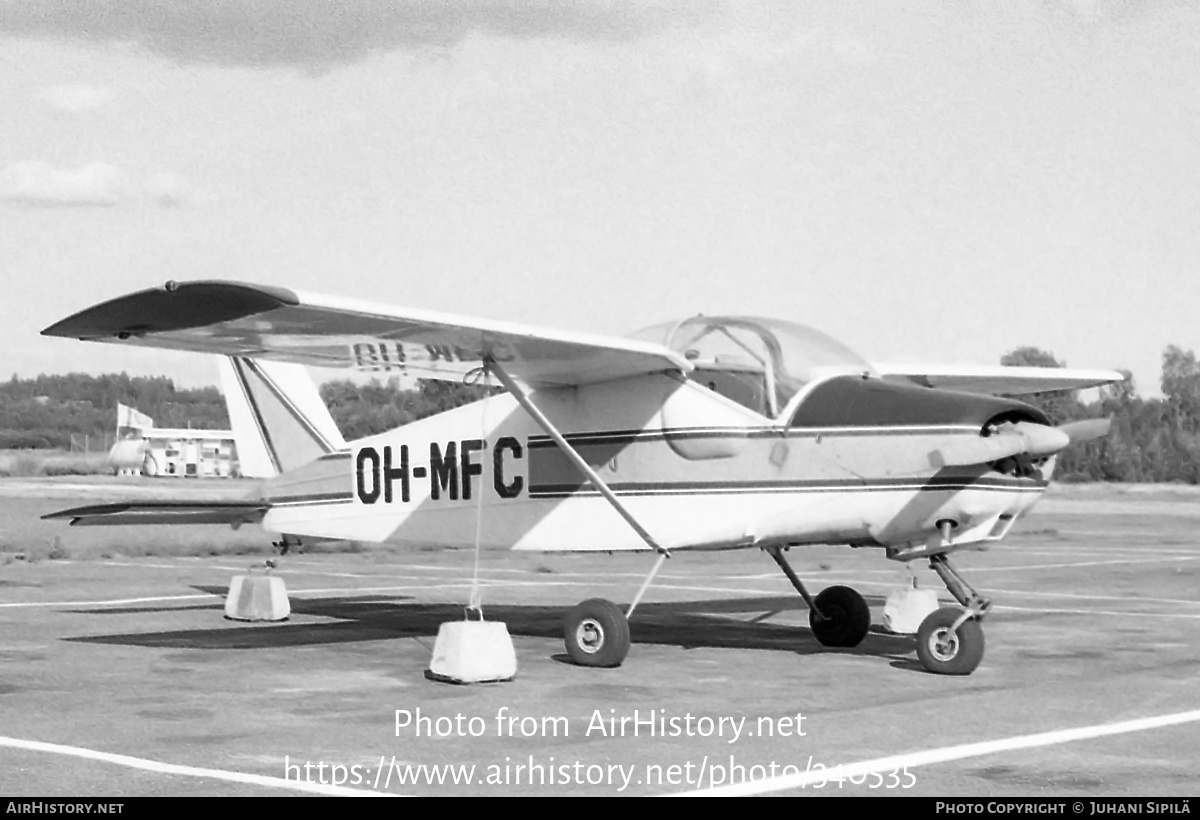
(278, 418)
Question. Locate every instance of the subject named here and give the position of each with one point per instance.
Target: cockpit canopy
(759, 363)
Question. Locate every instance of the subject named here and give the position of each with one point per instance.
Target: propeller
(1086, 429)
(1018, 438)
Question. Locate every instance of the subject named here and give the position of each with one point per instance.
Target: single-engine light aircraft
(711, 433)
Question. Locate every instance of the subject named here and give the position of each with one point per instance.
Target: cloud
(768, 45)
(36, 184)
(40, 185)
(75, 98)
(1090, 10)
(1093, 12)
(316, 34)
(169, 190)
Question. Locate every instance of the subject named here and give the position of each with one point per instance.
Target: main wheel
(947, 651)
(847, 617)
(596, 633)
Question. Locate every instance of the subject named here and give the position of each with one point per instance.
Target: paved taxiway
(1097, 622)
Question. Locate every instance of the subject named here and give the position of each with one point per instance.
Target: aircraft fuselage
(853, 465)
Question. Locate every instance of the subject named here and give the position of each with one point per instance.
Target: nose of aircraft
(1006, 427)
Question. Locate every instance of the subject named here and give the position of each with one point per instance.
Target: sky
(926, 181)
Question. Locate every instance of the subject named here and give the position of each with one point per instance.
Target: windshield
(759, 363)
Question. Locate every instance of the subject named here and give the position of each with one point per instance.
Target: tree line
(45, 412)
(1151, 440)
(48, 412)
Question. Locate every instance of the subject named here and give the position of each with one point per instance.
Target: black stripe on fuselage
(315, 498)
(652, 488)
(622, 437)
(934, 484)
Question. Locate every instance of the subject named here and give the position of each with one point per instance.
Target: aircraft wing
(998, 379)
(233, 513)
(238, 319)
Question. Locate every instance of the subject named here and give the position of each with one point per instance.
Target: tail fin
(278, 418)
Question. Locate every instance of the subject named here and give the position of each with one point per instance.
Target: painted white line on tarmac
(596, 579)
(404, 588)
(746, 593)
(1085, 597)
(188, 771)
(288, 567)
(447, 569)
(1072, 565)
(1096, 549)
(898, 569)
(114, 601)
(1120, 614)
(742, 592)
(160, 598)
(947, 753)
(1025, 593)
(1027, 567)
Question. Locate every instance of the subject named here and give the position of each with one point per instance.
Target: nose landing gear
(950, 640)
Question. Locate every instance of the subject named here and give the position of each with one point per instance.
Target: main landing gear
(838, 615)
(596, 633)
(950, 640)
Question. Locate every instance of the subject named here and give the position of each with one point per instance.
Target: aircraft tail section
(279, 420)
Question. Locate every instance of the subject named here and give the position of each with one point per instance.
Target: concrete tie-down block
(906, 608)
(473, 652)
(257, 597)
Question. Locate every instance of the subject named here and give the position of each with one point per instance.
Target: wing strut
(573, 455)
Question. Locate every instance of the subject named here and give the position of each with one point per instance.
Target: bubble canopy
(759, 363)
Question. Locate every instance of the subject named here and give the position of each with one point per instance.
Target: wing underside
(998, 379)
(236, 319)
(232, 513)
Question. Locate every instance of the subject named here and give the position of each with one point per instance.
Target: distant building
(144, 449)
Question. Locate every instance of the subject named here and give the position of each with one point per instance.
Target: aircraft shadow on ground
(721, 623)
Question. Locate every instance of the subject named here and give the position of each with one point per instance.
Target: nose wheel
(950, 642)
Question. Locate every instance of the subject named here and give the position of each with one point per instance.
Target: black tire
(596, 633)
(946, 652)
(847, 617)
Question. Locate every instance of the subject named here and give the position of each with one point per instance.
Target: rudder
(279, 420)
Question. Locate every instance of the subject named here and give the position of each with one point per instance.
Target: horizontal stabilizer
(233, 513)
